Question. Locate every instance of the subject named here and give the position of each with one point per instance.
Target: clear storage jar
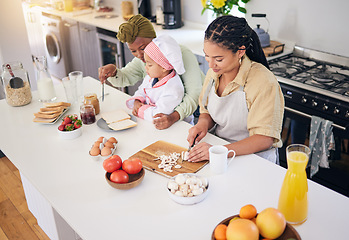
(91, 99)
(16, 84)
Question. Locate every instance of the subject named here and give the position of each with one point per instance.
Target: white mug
(219, 158)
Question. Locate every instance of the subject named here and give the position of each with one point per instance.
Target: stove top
(319, 74)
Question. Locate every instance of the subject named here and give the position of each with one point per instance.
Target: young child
(162, 89)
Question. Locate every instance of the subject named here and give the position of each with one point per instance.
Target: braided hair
(233, 33)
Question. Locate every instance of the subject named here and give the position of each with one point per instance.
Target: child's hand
(136, 106)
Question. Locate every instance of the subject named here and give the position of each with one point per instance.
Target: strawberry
(66, 120)
(61, 127)
(77, 124)
(73, 117)
(69, 127)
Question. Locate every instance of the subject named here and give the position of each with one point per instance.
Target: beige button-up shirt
(264, 98)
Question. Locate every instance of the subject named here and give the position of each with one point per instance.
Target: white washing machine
(54, 45)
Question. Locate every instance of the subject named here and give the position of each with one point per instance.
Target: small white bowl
(188, 200)
(70, 134)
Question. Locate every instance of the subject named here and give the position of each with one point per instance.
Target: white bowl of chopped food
(187, 188)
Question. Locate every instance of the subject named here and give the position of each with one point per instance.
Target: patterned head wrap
(136, 26)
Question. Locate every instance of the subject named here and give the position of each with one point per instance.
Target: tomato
(112, 163)
(132, 165)
(119, 176)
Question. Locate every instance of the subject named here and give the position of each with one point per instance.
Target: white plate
(101, 123)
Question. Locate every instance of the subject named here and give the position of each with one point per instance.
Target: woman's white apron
(230, 114)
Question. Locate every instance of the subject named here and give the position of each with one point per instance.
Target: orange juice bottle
(293, 200)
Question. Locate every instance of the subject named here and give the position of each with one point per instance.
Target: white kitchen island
(73, 184)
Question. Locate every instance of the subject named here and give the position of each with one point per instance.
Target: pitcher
(44, 81)
(293, 200)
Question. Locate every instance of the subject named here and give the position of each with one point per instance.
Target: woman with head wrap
(137, 33)
(240, 97)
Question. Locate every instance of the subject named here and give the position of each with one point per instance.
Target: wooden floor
(16, 221)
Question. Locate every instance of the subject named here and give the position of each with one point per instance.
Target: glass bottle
(293, 199)
(91, 98)
(16, 84)
(44, 81)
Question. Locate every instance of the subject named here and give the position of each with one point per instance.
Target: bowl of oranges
(270, 223)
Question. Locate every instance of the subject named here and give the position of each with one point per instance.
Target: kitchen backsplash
(315, 24)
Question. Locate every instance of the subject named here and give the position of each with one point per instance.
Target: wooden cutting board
(274, 49)
(153, 151)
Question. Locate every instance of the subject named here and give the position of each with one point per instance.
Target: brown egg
(95, 151)
(100, 139)
(109, 145)
(106, 151)
(112, 140)
(97, 143)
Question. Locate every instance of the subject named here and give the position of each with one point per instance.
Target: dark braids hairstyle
(232, 33)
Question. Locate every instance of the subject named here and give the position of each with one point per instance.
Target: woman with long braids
(241, 100)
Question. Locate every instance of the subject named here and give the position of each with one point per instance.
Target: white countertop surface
(74, 184)
(190, 35)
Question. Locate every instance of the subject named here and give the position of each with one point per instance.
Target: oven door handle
(309, 116)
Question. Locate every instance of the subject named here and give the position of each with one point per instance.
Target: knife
(102, 92)
(190, 147)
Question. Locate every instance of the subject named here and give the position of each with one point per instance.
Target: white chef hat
(166, 52)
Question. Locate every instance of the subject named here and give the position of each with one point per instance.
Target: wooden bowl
(289, 232)
(134, 180)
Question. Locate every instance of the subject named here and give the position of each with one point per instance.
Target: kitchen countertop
(74, 184)
(190, 35)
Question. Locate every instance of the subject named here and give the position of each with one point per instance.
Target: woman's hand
(106, 71)
(163, 121)
(199, 152)
(137, 104)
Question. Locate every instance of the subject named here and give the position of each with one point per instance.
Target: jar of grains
(16, 84)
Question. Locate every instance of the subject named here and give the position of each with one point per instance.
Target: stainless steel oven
(316, 84)
(110, 48)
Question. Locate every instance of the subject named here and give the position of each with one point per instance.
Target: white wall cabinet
(73, 46)
(89, 49)
(34, 29)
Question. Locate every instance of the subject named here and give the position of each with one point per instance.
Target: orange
(220, 232)
(248, 211)
(242, 229)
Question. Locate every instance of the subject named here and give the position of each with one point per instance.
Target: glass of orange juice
(293, 199)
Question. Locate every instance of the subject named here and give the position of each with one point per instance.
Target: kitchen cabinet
(72, 43)
(89, 49)
(32, 18)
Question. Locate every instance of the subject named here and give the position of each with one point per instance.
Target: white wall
(14, 44)
(315, 24)
(191, 9)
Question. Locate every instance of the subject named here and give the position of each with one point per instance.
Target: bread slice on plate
(44, 120)
(124, 124)
(56, 104)
(51, 110)
(47, 116)
(115, 116)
